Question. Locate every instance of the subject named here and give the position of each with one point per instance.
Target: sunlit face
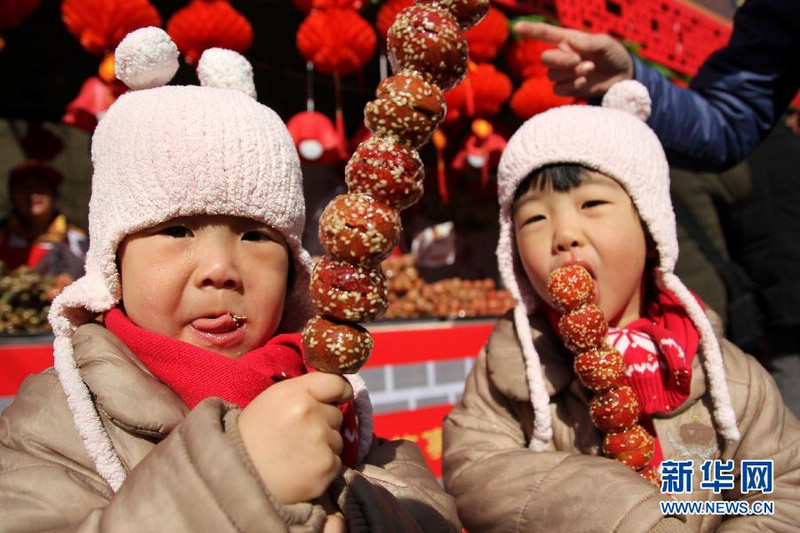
(188, 277)
(34, 197)
(594, 224)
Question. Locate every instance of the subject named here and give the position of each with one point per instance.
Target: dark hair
(562, 176)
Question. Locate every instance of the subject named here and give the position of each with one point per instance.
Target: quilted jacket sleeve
(394, 490)
(770, 432)
(501, 485)
(737, 96)
(197, 479)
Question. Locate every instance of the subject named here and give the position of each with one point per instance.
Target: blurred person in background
(35, 233)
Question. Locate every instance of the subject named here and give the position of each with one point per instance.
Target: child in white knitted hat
(189, 408)
(589, 186)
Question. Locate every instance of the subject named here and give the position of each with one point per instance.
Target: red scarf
(195, 374)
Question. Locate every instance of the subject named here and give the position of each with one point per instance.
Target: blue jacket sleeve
(737, 96)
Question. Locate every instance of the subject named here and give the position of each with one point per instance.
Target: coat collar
(122, 389)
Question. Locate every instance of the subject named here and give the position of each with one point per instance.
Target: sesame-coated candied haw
(358, 229)
(651, 475)
(599, 369)
(407, 108)
(427, 39)
(334, 347)
(467, 13)
(570, 287)
(386, 170)
(634, 446)
(583, 328)
(615, 410)
(349, 292)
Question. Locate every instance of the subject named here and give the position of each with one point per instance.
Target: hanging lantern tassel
(440, 141)
(482, 129)
(340, 129)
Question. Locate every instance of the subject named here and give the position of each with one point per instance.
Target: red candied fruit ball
(651, 475)
(406, 108)
(357, 229)
(599, 369)
(335, 347)
(570, 287)
(633, 447)
(615, 410)
(584, 328)
(427, 39)
(467, 13)
(349, 292)
(386, 170)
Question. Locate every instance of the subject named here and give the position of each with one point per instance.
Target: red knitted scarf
(195, 374)
(658, 351)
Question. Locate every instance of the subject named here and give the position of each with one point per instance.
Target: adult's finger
(560, 58)
(574, 87)
(542, 31)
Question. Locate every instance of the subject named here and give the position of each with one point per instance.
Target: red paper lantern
(336, 40)
(534, 96)
(100, 25)
(387, 13)
(488, 36)
(205, 24)
(481, 94)
(524, 58)
(306, 6)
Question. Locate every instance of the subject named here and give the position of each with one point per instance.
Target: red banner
(423, 426)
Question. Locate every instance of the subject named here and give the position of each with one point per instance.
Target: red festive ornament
(387, 13)
(524, 58)
(205, 24)
(100, 25)
(92, 101)
(534, 96)
(481, 150)
(306, 6)
(488, 36)
(481, 94)
(316, 138)
(336, 40)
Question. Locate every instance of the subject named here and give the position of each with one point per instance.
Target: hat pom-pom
(146, 58)
(226, 69)
(630, 96)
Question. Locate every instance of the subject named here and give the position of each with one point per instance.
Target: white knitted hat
(612, 139)
(161, 152)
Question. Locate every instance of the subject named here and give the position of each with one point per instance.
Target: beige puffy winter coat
(501, 485)
(187, 470)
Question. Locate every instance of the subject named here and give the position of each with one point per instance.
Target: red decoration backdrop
(205, 24)
(336, 40)
(99, 25)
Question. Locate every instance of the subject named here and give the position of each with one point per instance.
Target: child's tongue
(220, 324)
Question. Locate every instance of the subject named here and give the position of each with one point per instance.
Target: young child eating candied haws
(581, 399)
(189, 408)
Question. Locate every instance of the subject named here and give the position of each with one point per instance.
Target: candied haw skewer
(428, 53)
(601, 368)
